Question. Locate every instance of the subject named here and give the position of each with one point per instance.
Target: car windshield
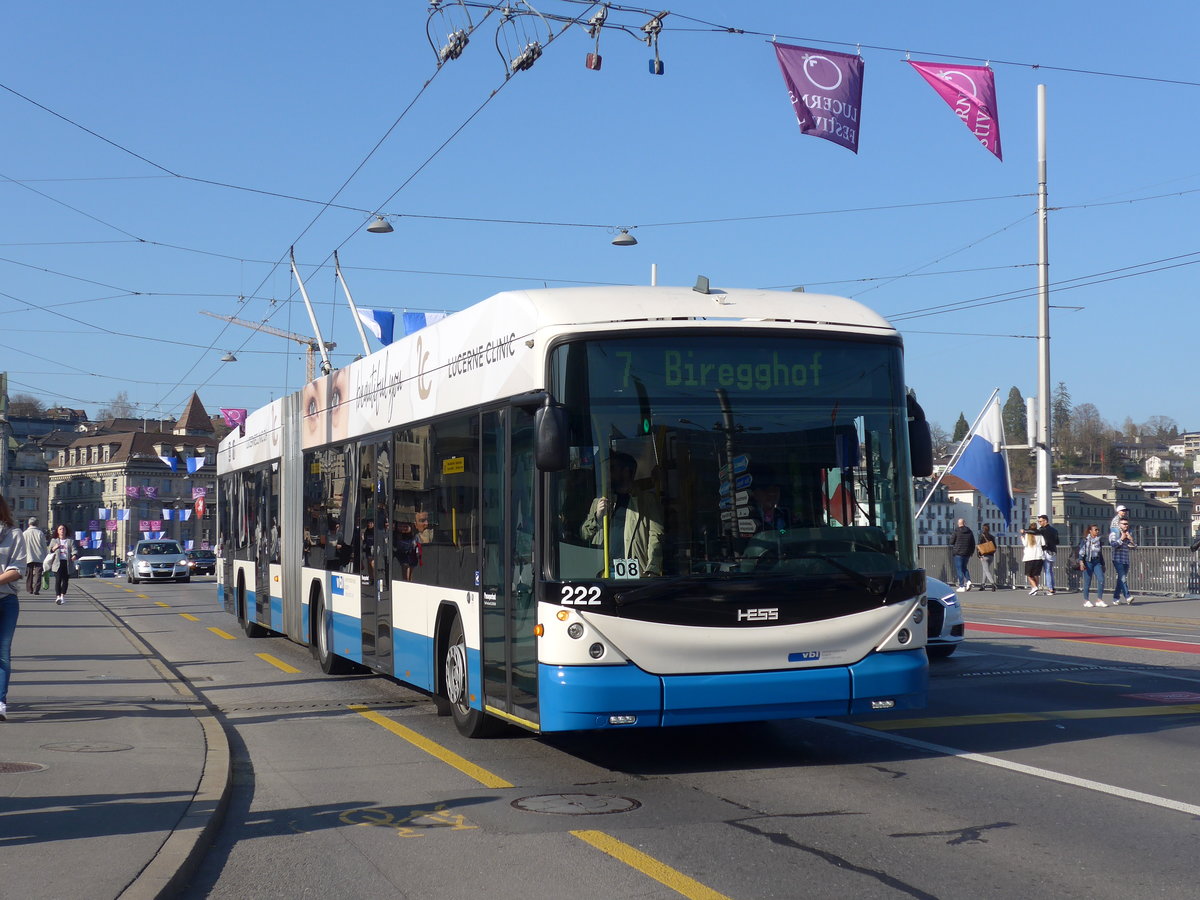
(158, 548)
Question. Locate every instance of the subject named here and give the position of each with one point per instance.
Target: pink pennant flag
(971, 93)
(235, 418)
(826, 92)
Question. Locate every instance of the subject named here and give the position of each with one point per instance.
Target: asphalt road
(1046, 765)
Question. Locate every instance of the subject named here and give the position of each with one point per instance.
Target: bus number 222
(580, 595)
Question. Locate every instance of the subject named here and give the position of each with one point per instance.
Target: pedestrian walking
(1049, 552)
(12, 557)
(1091, 564)
(1031, 555)
(61, 553)
(35, 549)
(1121, 543)
(986, 548)
(962, 548)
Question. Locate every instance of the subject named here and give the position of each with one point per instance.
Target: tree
(1060, 419)
(25, 405)
(960, 428)
(941, 439)
(118, 408)
(1014, 417)
(1020, 464)
(1161, 428)
(1093, 438)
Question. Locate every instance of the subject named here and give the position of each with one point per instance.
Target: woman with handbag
(61, 552)
(986, 548)
(1091, 564)
(12, 552)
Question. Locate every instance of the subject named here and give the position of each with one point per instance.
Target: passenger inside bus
(407, 549)
(632, 516)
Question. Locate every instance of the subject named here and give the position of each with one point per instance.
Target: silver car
(159, 560)
(946, 625)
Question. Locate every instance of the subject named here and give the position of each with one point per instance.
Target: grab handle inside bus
(550, 437)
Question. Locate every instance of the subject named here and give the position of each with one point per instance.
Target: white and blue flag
(415, 321)
(984, 465)
(380, 322)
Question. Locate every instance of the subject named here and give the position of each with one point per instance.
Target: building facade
(112, 488)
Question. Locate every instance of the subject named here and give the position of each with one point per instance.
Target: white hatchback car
(160, 560)
(946, 625)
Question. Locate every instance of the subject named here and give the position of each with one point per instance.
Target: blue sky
(218, 131)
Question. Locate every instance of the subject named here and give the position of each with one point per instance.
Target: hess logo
(758, 615)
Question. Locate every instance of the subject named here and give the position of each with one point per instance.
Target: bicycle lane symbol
(408, 823)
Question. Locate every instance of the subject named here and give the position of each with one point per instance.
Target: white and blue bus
(597, 508)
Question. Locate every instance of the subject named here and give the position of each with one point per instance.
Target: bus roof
(495, 349)
(548, 307)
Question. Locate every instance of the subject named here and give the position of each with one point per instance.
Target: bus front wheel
(470, 722)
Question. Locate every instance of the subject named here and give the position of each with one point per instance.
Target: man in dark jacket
(1049, 551)
(962, 547)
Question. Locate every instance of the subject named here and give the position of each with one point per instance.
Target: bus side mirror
(550, 437)
(920, 440)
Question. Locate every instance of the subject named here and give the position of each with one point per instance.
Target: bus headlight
(596, 650)
(918, 615)
(575, 630)
(904, 636)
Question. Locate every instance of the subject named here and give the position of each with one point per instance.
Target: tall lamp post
(1044, 474)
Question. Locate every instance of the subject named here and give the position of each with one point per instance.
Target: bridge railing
(1152, 570)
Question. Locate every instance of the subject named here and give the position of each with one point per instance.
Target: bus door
(507, 589)
(372, 545)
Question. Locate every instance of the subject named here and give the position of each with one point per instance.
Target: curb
(180, 854)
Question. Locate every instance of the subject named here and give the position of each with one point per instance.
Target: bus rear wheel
(472, 723)
(250, 627)
(322, 644)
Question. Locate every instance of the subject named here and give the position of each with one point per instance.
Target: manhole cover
(87, 747)
(576, 804)
(14, 768)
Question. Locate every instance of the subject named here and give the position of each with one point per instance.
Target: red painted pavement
(1115, 640)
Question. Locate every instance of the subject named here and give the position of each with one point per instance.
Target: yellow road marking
(648, 865)
(160, 603)
(225, 634)
(1179, 709)
(189, 617)
(449, 757)
(278, 663)
(142, 597)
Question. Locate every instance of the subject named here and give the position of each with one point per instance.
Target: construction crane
(310, 343)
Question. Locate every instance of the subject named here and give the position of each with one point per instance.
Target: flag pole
(337, 269)
(957, 452)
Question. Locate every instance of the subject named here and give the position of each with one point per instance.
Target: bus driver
(634, 518)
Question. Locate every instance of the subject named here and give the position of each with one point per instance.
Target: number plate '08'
(580, 595)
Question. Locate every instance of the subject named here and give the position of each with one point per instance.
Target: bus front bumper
(578, 698)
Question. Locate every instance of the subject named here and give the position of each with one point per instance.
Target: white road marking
(1047, 774)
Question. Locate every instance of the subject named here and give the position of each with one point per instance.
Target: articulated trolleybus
(598, 508)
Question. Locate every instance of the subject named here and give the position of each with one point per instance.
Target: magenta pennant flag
(971, 93)
(826, 92)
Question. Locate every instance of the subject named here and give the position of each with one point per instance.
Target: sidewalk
(1146, 607)
(112, 773)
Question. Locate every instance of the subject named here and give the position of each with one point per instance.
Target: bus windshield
(732, 456)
